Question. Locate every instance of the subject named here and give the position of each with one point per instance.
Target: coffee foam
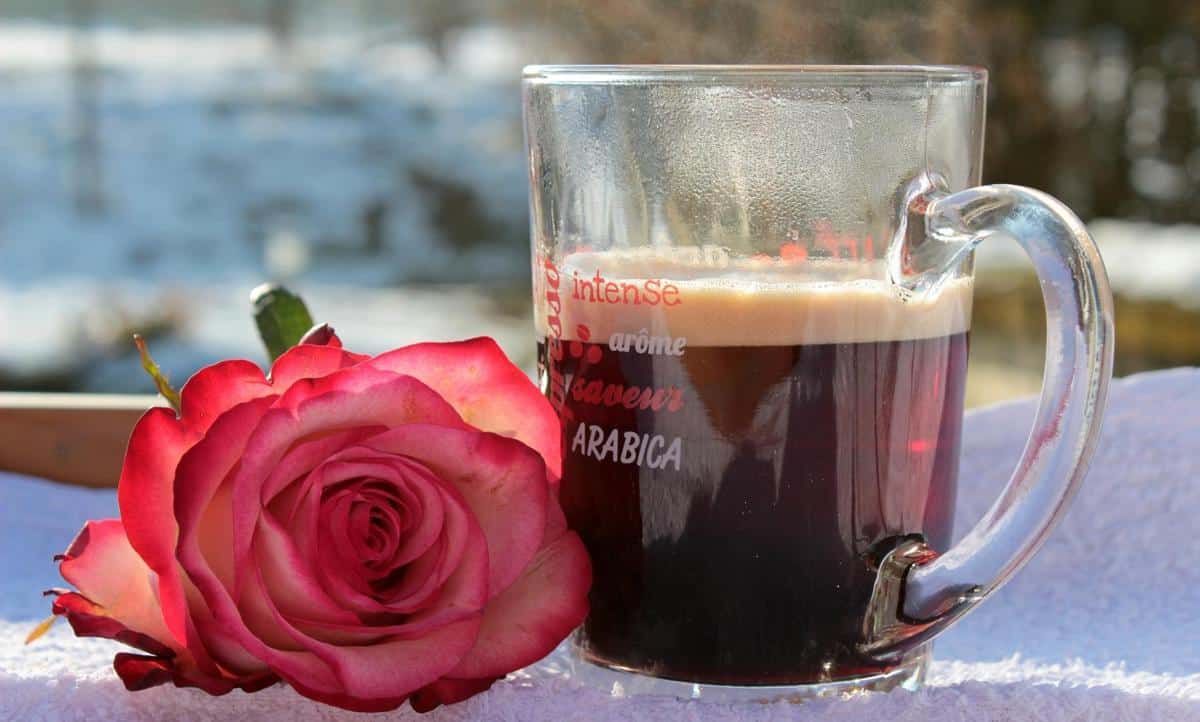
(751, 302)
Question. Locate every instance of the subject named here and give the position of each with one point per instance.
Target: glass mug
(753, 296)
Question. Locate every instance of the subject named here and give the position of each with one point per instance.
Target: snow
(226, 161)
(1143, 260)
(212, 139)
(1101, 625)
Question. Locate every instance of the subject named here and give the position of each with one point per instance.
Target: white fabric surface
(1104, 624)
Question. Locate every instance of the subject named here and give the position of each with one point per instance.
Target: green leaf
(281, 316)
(160, 379)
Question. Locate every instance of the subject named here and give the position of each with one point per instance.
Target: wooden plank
(73, 438)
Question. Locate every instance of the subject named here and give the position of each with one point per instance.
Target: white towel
(1104, 624)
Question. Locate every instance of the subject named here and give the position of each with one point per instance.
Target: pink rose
(371, 530)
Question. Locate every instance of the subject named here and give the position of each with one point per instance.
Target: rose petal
(448, 691)
(412, 482)
(159, 441)
(385, 520)
(426, 575)
(486, 389)
(308, 528)
(106, 570)
(224, 647)
(394, 667)
(180, 585)
(338, 558)
(304, 456)
(556, 520)
(386, 669)
(231, 641)
(118, 601)
(461, 597)
(199, 500)
(145, 495)
(201, 503)
(502, 480)
(215, 389)
(145, 492)
(140, 672)
(349, 398)
(262, 617)
(310, 361)
(354, 704)
(531, 617)
(290, 578)
(88, 619)
(442, 612)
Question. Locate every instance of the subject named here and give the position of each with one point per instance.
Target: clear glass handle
(918, 592)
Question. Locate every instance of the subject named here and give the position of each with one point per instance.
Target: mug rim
(753, 74)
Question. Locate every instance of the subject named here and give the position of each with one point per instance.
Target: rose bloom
(369, 530)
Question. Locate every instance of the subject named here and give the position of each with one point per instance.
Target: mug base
(618, 682)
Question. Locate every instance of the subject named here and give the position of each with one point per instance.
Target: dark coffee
(732, 496)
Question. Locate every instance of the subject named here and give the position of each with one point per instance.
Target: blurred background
(159, 159)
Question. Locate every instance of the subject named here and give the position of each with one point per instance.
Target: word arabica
(627, 447)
